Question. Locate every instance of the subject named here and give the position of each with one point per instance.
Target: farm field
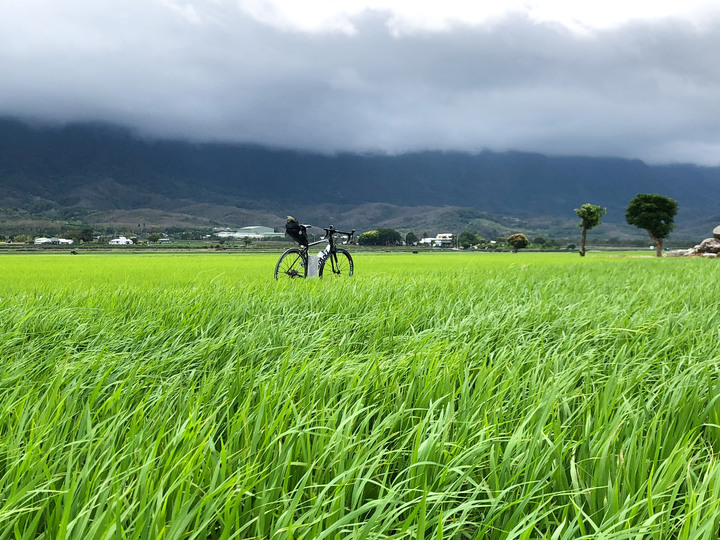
(454, 396)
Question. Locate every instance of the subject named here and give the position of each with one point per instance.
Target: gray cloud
(648, 90)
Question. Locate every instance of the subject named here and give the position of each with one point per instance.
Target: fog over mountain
(106, 175)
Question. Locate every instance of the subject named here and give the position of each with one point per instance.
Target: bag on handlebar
(296, 231)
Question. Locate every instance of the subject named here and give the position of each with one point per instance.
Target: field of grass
(443, 396)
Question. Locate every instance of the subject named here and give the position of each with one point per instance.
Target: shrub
(518, 241)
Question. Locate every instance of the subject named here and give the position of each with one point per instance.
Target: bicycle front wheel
(338, 264)
(291, 264)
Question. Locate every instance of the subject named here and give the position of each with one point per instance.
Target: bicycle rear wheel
(339, 265)
(291, 264)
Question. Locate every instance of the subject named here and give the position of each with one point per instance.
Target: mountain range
(110, 177)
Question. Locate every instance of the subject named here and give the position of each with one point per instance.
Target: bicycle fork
(334, 262)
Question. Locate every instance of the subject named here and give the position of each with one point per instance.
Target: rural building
(120, 241)
(255, 231)
(441, 240)
(53, 240)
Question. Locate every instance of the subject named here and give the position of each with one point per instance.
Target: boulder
(680, 253)
(716, 232)
(709, 245)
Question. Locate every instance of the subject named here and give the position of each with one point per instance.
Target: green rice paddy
(430, 396)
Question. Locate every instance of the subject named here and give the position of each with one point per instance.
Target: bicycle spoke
(291, 264)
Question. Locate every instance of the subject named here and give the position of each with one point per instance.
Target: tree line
(649, 211)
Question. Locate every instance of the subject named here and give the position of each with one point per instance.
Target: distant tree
(153, 237)
(589, 215)
(247, 241)
(78, 234)
(539, 241)
(380, 237)
(369, 238)
(518, 241)
(411, 239)
(86, 235)
(390, 237)
(468, 239)
(655, 214)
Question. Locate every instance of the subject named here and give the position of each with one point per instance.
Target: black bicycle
(332, 261)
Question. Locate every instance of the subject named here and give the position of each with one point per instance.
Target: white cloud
(410, 15)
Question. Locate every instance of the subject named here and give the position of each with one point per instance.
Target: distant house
(255, 231)
(441, 240)
(60, 241)
(120, 241)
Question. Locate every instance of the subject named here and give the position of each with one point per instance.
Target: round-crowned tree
(518, 241)
(411, 239)
(468, 239)
(380, 237)
(655, 214)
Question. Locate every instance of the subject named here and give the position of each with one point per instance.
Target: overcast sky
(624, 78)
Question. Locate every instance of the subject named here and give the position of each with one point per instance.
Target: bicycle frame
(331, 252)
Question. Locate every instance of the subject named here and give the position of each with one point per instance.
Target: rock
(710, 255)
(716, 232)
(680, 253)
(709, 245)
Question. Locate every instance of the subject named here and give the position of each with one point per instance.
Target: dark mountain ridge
(98, 168)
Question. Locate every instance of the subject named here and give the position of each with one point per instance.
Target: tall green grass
(429, 396)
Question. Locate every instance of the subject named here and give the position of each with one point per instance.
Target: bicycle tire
(344, 267)
(291, 264)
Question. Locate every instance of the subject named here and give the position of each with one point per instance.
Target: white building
(441, 240)
(120, 241)
(255, 231)
(61, 241)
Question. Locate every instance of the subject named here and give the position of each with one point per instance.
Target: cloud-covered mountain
(89, 172)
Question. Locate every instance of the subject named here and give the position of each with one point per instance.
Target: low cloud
(210, 71)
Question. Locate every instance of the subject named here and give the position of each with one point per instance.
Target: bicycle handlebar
(332, 230)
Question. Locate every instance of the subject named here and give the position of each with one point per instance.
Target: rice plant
(458, 396)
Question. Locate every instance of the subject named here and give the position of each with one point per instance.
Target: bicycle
(294, 262)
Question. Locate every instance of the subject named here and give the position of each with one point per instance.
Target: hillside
(107, 176)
